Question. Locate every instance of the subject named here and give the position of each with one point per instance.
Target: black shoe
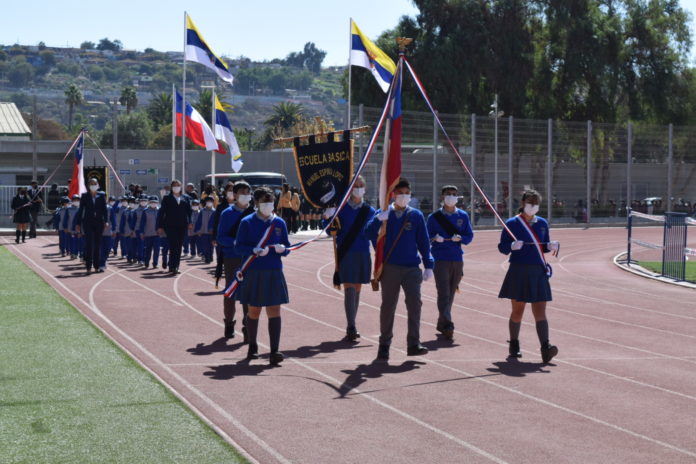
(352, 334)
(89, 269)
(245, 336)
(253, 352)
(514, 349)
(417, 350)
(276, 358)
(548, 352)
(229, 328)
(383, 352)
(447, 333)
(164, 265)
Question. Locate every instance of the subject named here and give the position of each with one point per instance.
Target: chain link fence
(587, 173)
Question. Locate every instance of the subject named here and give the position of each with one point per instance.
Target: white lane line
(174, 302)
(558, 360)
(159, 362)
(339, 383)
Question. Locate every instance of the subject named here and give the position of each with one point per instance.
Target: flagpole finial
(403, 43)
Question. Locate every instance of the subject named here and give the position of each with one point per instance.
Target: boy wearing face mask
(116, 215)
(107, 240)
(204, 228)
(149, 231)
(407, 244)
(227, 230)
(191, 240)
(72, 236)
(263, 283)
(126, 231)
(527, 277)
(136, 220)
(226, 201)
(449, 228)
(353, 252)
(59, 218)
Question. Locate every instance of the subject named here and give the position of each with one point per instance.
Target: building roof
(11, 121)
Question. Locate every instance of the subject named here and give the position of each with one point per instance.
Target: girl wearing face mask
(353, 252)
(21, 217)
(527, 278)
(263, 283)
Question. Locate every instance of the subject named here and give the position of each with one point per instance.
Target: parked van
(273, 180)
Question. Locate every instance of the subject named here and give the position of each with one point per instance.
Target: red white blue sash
(537, 244)
(239, 275)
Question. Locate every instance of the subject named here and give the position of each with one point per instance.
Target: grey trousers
(448, 274)
(393, 279)
(231, 266)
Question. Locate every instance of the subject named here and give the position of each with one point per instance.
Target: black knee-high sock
(24, 235)
(17, 234)
(274, 333)
(252, 329)
(349, 304)
(542, 328)
(514, 329)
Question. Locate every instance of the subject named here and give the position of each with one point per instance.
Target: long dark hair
(529, 194)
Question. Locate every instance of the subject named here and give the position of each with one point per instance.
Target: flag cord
(107, 161)
(38, 191)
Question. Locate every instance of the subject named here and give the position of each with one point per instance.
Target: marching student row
(240, 228)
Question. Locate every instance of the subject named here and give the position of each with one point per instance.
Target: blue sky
(258, 29)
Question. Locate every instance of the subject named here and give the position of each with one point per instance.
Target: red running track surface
(622, 390)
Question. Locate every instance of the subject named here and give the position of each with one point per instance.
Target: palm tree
(285, 115)
(128, 98)
(205, 104)
(160, 110)
(73, 98)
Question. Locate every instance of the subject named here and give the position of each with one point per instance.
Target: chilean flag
(77, 183)
(197, 130)
(391, 163)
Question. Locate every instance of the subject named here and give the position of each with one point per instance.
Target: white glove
(260, 251)
(427, 275)
(329, 212)
(554, 245)
(438, 239)
(456, 238)
(279, 248)
(517, 245)
(383, 216)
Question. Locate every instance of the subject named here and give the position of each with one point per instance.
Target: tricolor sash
(239, 275)
(537, 244)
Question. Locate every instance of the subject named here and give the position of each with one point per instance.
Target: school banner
(324, 169)
(101, 173)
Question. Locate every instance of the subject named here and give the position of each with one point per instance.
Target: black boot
(17, 234)
(274, 325)
(24, 236)
(252, 328)
(548, 351)
(515, 349)
(229, 328)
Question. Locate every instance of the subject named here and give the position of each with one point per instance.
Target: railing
(7, 192)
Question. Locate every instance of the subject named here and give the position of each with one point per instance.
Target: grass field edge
(626, 268)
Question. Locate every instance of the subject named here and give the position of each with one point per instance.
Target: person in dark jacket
(22, 217)
(175, 220)
(35, 208)
(53, 198)
(92, 219)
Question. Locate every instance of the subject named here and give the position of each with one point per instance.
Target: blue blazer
(92, 213)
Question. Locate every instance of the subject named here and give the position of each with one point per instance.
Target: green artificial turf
(656, 266)
(68, 394)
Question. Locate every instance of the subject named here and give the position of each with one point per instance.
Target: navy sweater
(527, 254)
(449, 250)
(228, 218)
(347, 217)
(251, 229)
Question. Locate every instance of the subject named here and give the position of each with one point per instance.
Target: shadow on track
(218, 346)
(514, 368)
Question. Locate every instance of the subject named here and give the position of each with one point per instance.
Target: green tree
(160, 110)
(95, 72)
(87, 45)
(310, 58)
(285, 115)
(134, 131)
(106, 44)
(128, 98)
(42, 46)
(73, 98)
(20, 73)
(204, 105)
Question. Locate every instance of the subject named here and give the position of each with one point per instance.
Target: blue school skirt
(355, 268)
(526, 282)
(263, 287)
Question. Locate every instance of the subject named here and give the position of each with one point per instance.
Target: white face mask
(76, 204)
(402, 200)
(451, 200)
(176, 189)
(111, 203)
(266, 209)
(359, 192)
(132, 206)
(530, 210)
(124, 204)
(93, 188)
(243, 200)
(230, 196)
(195, 208)
(209, 206)
(143, 203)
(153, 205)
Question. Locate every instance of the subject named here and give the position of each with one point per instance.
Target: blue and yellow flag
(363, 52)
(223, 131)
(198, 50)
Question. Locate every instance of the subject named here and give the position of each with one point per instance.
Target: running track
(622, 390)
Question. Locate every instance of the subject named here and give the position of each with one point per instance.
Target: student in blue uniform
(449, 228)
(126, 231)
(204, 228)
(407, 244)
(263, 283)
(191, 240)
(117, 212)
(228, 226)
(353, 252)
(58, 218)
(136, 219)
(164, 246)
(107, 240)
(527, 278)
(149, 231)
(71, 235)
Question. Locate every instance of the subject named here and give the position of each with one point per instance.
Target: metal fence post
(629, 165)
(589, 172)
(434, 161)
(360, 124)
(549, 163)
(473, 167)
(510, 193)
(669, 169)
(630, 233)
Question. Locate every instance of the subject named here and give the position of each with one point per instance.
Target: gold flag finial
(403, 42)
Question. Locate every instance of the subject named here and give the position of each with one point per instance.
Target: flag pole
(183, 112)
(212, 153)
(350, 51)
(173, 133)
